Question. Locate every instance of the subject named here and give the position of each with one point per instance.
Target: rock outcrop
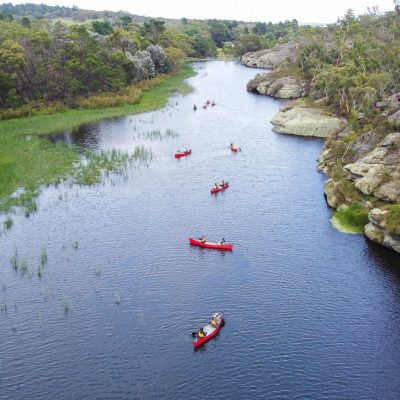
(362, 167)
(285, 87)
(377, 229)
(304, 121)
(270, 58)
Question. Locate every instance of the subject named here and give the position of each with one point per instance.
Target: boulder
(378, 172)
(285, 87)
(304, 121)
(376, 230)
(394, 118)
(270, 58)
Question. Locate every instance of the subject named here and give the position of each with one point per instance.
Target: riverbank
(28, 161)
(362, 150)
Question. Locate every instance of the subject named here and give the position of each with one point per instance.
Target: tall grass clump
(351, 219)
(8, 223)
(152, 135)
(14, 260)
(170, 133)
(66, 305)
(43, 255)
(96, 164)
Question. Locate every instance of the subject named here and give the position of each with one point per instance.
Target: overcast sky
(244, 10)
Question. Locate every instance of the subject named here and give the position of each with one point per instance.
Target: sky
(306, 11)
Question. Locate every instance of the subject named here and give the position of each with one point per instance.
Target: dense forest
(59, 54)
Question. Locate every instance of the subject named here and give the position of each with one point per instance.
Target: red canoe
(210, 330)
(220, 189)
(211, 245)
(185, 153)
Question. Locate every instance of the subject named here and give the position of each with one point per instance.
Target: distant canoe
(211, 245)
(185, 153)
(219, 189)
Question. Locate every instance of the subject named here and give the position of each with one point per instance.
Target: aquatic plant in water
(66, 305)
(43, 255)
(8, 223)
(96, 165)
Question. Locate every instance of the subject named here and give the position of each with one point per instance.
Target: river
(310, 312)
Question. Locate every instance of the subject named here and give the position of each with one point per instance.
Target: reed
(8, 223)
(43, 255)
(14, 261)
(24, 266)
(98, 270)
(66, 305)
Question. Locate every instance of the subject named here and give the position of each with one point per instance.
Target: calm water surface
(311, 313)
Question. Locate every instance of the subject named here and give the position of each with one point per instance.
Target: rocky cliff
(363, 166)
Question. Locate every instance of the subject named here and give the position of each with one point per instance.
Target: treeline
(40, 11)
(44, 61)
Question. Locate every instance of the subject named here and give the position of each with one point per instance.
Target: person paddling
(202, 239)
(201, 333)
(194, 107)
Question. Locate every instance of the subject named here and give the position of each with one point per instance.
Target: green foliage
(392, 219)
(247, 43)
(352, 218)
(102, 27)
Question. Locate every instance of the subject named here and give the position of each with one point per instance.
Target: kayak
(211, 245)
(210, 330)
(220, 189)
(185, 153)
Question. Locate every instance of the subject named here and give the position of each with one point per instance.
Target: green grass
(28, 161)
(351, 219)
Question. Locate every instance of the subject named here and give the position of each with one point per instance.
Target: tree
(220, 33)
(175, 58)
(249, 42)
(153, 29)
(102, 27)
(260, 28)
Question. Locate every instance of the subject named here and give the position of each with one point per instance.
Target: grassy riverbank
(28, 161)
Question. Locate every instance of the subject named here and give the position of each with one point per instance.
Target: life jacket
(200, 334)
